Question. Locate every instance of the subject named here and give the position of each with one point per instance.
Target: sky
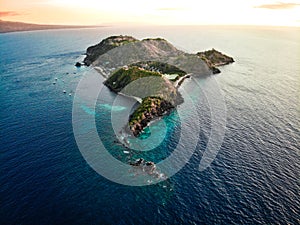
(153, 12)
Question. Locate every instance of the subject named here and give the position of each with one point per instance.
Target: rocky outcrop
(150, 109)
(93, 52)
(214, 58)
(140, 51)
(78, 64)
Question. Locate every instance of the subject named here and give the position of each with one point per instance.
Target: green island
(158, 92)
(162, 96)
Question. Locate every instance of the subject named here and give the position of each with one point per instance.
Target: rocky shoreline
(150, 109)
(214, 58)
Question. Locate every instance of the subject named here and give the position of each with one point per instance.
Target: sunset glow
(175, 12)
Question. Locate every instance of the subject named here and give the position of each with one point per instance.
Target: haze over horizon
(155, 12)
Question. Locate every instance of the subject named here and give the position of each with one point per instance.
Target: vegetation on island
(155, 39)
(124, 76)
(161, 94)
(150, 108)
(160, 67)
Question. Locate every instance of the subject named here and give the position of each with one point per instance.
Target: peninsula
(164, 66)
(214, 58)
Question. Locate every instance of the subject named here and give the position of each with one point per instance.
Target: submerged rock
(141, 166)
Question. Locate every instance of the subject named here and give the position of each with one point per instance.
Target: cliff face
(149, 109)
(93, 52)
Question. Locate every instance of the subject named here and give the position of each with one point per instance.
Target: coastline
(12, 27)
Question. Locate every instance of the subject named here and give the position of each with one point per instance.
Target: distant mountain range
(9, 26)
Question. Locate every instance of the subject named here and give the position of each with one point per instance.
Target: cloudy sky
(161, 12)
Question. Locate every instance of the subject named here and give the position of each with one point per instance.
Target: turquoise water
(253, 180)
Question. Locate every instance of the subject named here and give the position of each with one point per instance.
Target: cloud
(278, 5)
(9, 13)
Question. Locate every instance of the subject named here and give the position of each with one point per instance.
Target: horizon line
(145, 24)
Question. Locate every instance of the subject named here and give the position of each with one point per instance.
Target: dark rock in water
(78, 64)
(93, 52)
(141, 166)
(138, 162)
(215, 70)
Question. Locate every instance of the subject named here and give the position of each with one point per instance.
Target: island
(159, 94)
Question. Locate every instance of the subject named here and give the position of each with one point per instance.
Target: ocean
(254, 179)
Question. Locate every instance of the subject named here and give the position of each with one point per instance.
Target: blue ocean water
(253, 180)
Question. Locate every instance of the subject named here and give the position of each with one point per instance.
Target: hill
(9, 26)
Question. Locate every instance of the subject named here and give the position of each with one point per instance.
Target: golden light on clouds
(278, 5)
(8, 13)
(167, 12)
